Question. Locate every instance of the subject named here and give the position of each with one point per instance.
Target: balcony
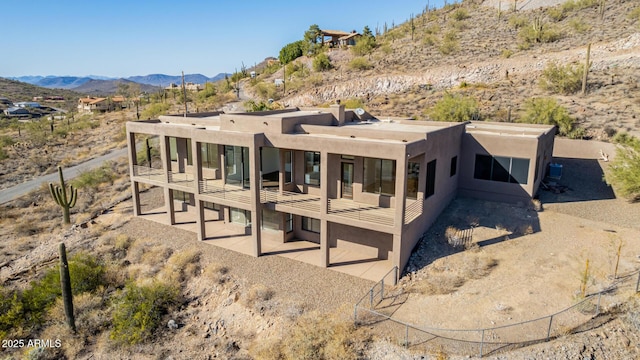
(182, 179)
(150, 174)
(219, 190)
(363, 212)
(292, 199)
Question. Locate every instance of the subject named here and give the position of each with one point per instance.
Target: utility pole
(184, 93)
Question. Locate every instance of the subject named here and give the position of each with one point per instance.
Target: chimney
(338, 112)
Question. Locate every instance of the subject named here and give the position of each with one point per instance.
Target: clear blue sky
(137, 37)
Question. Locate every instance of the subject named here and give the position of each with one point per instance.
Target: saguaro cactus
(65, 283)
(59, 194)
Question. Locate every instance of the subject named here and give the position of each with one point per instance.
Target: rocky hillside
(475, 49)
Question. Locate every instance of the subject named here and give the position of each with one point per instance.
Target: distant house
(5, 101)
(339, 38)
(25, 104)
(17, 112)
(99, 104)
(188, 86)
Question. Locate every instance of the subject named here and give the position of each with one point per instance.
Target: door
(347, 180)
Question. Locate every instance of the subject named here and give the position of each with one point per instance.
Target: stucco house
(333, 178)
(100, 104)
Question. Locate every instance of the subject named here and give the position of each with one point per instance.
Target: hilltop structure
(339, 181)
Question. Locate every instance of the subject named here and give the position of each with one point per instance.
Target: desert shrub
(455, 108)
(96, 177)
(353, 103)
(506, 53)
(3, 154)
(360, 63)
(634, 14)
(556, 13)
(461, 14)
(315, 79)
(449, 44)
(575, 5)
(624, 172)
(547, 111)
(154, 110)
(6, 140)
(139, 311)
(429, 40)
(266, 90)
(561, 79)
(321, 62)
(386, 49)
(518, 21)
(537, 32)
(579, 26)
(365, 44)
(23, 310)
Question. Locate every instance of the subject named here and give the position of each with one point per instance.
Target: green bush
(360, 63)
(518, 21)
(3, 154)
(94, 178)
(560, 79)
(321, 62)
(547, 111)
(538, 32)
(292, 51)
(138, 313)
(461, 14)
(635, 14)
(154, 110)
(579, 26)
(365, 44)
(624, 172)
(24, 310)
(455, 108)
(449, 43)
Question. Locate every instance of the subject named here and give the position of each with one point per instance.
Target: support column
(325, 258)
(201, 224)
(133, 162)
(197, 176)
(168, 201)
(256, 207)
(400, 203)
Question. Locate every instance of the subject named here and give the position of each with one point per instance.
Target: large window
(182, 196)
(431, 179)
(288, 223)
(311, 224)
(271, 219)
(501, 168)
(236, 160)
(209, 155)
(413, 176)
(379, 176)
(288, 166)
(312, 168)
(240, 216)
(173, 149)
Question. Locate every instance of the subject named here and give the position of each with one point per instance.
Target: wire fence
(584, 315)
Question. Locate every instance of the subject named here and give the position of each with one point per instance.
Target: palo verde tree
(59, 194)
(313, 38)
(292, 51)
(365, 44)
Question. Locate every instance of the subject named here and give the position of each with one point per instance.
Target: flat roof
(507, 129)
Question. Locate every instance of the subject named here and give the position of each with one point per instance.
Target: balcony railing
(292, 199)
(182, 179)
(413, 209)
(149, 173)
(363, 212)
(217, 189)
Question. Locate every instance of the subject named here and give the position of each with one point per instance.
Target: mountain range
(78, 82)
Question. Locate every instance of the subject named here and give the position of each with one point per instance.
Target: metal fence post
(638, 283)
(549, 329)
(406, 336)
(598, 306)
(382, 289)
(371, 298)
(482, 343)
(355, 313)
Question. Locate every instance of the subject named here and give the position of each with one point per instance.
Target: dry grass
(443, 279)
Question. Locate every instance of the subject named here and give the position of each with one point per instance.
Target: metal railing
(292, 199)
(363, 212)
(152, 174)
(182, 179)
(214, 189)
(413, 209)
(471, 342)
